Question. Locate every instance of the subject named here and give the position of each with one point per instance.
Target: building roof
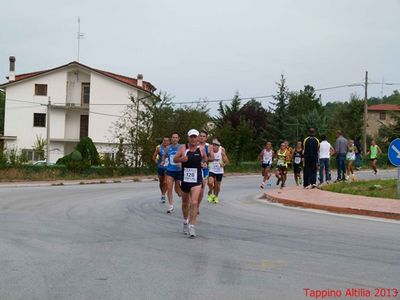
(384, 107)
(147, 86)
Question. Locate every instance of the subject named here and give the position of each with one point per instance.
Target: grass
(371, 188)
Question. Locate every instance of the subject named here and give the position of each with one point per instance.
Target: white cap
(216, 142)
(193, 132)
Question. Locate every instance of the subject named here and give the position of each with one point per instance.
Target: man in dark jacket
(311, 147)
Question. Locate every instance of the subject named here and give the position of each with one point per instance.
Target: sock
(191, 225)
(186, 221)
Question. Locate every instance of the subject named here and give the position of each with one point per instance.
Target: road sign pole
(398, 182)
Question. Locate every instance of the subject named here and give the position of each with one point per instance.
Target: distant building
(379, 115)
(82, 104)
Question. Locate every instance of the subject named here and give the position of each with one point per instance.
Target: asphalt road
(115, 241)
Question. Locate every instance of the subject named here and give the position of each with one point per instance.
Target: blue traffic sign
(394, 152)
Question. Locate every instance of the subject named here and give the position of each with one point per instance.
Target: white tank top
(267, 156)
(215, 166)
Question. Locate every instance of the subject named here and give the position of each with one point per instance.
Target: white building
(84, 102)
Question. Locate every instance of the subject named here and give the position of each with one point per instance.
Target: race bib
(281, 162)
(217, 166)
(297, 160)
(190, 175)
(267, 161)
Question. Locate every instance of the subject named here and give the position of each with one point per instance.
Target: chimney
(11, 76)
(140, 80)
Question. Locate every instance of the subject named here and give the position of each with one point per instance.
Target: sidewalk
(336, 202)
(17, 184)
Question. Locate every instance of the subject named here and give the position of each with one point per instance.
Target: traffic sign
(394, 152)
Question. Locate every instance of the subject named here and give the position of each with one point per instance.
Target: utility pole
(365, 111)
(48, 133)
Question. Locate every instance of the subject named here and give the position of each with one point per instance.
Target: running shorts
(161, 171)
(177, 175)
(218, 177)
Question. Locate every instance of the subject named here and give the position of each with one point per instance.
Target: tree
(279, 127)
(39, 148)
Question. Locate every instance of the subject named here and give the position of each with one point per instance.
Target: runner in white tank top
(216, 171)
(266, 157)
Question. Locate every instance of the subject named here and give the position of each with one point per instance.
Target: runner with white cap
(216, 171)
(192, 157)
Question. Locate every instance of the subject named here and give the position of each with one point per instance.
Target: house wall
(64, 86)
(106, 91)
(374, 123)
(19, 111)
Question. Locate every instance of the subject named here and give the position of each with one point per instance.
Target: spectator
(325, 153)
(357, 143)
(311, 147)
(340, 150)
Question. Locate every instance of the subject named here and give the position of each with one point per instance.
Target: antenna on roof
(80, 35)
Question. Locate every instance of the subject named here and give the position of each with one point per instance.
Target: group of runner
(188, 168)
(287, 157)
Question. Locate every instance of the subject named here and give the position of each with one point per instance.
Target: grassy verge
(371, 188)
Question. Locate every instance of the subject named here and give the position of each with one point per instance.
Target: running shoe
(210, 198)
(163, 199)
(192, 233)
(278, 181)
(170, 210)
(216, 199)
(186, 228)
(262, 185)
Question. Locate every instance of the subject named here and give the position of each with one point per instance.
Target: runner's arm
(157, 152)
(180, 155)
(164, 155)
(225, 159)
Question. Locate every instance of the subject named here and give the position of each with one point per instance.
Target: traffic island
(335, 202)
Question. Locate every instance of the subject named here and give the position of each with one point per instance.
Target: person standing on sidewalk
(340, 150)
(357, 143)
(325, 153)
(374, 152)
(311, 147)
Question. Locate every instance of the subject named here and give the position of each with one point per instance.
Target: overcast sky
(212, 48)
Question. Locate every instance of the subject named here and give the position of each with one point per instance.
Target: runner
(161, 169)
(265, 157)
(298, 162)
(281, 166)
(374, 151)
(216, 171)
(203, 136)
(351, 157)
(173, 170)
(193, 158)
(290, 154)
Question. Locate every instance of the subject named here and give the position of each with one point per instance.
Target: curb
(334, 209)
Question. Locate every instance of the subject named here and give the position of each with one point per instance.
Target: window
(40, 89)
(39, 120)
(84, 128)
(85, 93)
(382, 115)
